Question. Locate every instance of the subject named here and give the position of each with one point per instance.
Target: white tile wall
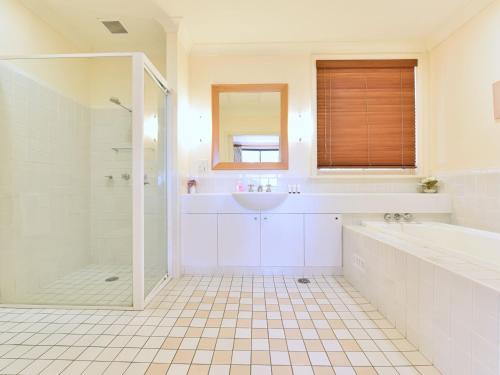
(451, 319)
(476, 198)
(44, 184)
(111, 200)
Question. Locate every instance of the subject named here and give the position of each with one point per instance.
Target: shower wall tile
(44, 185)
(475, 196)
(111, 199)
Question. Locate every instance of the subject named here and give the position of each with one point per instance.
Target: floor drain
(112, 278)
(304, 280)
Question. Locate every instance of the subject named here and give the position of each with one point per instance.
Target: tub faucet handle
(250, 188)
(407, 217)
(397, 217)
(388, 217)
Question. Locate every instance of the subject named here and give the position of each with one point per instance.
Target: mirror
(249, 126)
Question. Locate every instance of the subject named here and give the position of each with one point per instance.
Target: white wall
(297, 70)
(465, 137)
(463, 69)
(23, 33)
(292, 69)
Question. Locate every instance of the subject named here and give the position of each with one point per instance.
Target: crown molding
(306, 48)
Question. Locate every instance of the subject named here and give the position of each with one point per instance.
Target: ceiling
(300, 21)
(79, 21)
(244, 23)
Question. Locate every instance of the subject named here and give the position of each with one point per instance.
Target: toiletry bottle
(239, 186)
(191, 186)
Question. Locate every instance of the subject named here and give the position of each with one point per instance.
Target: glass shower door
(155, 194)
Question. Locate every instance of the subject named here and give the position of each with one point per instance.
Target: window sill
(366, 174)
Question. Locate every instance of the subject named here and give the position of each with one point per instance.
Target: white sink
(260, 201)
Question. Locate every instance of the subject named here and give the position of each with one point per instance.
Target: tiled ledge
(326, 203)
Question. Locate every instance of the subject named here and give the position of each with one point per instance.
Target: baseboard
(250, 271)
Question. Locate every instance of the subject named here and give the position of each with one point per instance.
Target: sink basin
(260, 201)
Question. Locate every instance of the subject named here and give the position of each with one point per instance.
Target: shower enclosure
(83, 180)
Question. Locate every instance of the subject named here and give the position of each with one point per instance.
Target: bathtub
(438, 284)
(478, 246)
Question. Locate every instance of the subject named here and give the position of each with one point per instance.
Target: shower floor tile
(213, 325)
(88, 286)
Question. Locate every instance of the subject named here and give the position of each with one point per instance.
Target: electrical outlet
(202, 167)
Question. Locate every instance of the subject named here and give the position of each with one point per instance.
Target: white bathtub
(438, 284)
(479, 245)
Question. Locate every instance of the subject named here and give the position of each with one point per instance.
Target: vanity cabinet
(199, 240)
(239, 240)
(282, 240)
(323, 240)
(232, 241)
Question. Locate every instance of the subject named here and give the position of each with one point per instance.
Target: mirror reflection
(249, 127)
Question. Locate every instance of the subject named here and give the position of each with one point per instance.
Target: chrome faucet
(260, 189)
(268, 188)
(250, 188)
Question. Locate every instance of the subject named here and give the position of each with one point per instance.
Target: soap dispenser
(240, 187)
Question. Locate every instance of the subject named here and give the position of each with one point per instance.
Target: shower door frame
(141, 66)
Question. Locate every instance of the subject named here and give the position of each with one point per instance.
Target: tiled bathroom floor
(215, 325)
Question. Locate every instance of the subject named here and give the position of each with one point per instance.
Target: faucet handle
(407, 217)
(268, 188)
(250, 188)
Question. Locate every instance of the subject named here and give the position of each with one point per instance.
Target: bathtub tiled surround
(215, 326)
(475, 196)
(444, 302)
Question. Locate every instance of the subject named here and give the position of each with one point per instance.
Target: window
(256, 148)
(259, 156)
(366, 114)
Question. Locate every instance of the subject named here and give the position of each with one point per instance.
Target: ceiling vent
(115, 27)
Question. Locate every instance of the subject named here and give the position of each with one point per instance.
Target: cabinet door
(239, 240)
(282, 240)
(323, 240)
(199, 240)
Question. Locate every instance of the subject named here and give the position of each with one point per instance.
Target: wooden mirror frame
(282, 88)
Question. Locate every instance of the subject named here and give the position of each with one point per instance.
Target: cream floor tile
(76, 368)
(36, 367)
(215, 325)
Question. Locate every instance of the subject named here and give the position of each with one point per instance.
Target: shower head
(117, 101)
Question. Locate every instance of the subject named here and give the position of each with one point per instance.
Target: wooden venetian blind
(366, 113)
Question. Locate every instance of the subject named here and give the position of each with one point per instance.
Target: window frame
(420, 112)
